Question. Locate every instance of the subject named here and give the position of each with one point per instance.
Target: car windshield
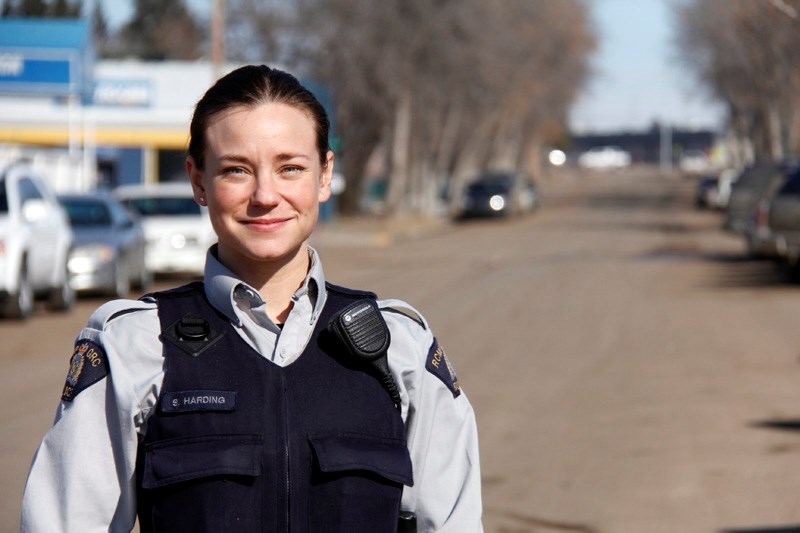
(84, 213)
(488, 187)
(3, 197)
(792, 185)
(164, 206)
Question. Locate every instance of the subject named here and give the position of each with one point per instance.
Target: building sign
(48, 57)
(32, 71)
(125, 93)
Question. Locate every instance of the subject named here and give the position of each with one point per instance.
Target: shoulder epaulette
(403, 308)
(350, 293)
(114, 309)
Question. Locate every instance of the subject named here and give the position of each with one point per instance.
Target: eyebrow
(233, 158)
(236, 158)
(287, 157)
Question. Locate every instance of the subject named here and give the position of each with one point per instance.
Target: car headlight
(86, 258)
(497, 202)
(178, 241)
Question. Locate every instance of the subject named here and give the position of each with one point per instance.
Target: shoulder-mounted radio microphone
(362, 329)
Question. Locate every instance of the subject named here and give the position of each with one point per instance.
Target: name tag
(198, 400)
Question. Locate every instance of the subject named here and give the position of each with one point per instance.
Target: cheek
(226, 196)
(304, 194)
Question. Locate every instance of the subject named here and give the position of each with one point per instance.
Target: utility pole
(218, 38)
(665, 156)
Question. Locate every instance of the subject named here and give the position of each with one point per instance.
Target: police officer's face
(263, 183)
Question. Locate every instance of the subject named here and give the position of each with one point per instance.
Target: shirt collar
(223, 287)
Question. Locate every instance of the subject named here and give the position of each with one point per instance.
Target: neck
(276, 281)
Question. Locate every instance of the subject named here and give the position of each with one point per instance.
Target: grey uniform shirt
(83, 475)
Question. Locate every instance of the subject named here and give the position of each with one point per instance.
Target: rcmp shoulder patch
(87, 366)
(438, 365)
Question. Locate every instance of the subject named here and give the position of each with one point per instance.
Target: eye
(292, 171)
(233, 172)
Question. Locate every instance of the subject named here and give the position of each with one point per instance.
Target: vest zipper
(286, 449)
(288, 490)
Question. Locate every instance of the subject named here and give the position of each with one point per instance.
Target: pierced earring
(203, 200)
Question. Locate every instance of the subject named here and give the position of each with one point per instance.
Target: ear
(325, 179)
(196, 178)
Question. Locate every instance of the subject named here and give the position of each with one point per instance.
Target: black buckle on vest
(192, 334)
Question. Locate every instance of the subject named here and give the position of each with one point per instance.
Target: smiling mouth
(266, 225)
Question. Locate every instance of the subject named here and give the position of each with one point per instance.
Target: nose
(265, 194)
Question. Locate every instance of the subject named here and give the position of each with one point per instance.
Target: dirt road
(631, 370)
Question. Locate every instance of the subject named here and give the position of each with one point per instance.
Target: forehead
(275, 122)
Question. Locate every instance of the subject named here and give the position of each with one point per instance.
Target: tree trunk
(399, 157)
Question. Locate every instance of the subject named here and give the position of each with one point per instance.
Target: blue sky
(638, 81)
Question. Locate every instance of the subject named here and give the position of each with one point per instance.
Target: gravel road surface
(632, 370)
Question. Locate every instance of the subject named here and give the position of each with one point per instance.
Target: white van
(177, 229)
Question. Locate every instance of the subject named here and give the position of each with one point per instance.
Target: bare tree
(158, 30)
(748, 53)
(432, 90)
(42, 8)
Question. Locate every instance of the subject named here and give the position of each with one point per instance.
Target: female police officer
(260, 399)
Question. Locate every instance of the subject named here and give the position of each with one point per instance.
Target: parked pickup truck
(35, 241)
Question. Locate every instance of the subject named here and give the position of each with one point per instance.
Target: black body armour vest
(238, 443)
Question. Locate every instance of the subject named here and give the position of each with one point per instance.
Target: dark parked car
(109, 250)
(498, 195)
(748, 207)
(784, 219)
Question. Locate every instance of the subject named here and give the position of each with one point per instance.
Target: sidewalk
(378, 232)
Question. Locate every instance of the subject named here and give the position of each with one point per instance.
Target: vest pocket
(357, 481)
(216, 476)
(186, 458)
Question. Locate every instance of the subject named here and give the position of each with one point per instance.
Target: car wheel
(122, 281)
(62, 297)
(20, 306)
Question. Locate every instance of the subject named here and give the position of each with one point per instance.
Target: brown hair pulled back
(250, 86)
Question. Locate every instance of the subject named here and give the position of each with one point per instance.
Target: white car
(695, 162)
(605, 157)
(35, 242)
(177, 229)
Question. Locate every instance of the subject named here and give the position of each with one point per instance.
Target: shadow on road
(780, 425)
(535, 523)
(779, 529)
(753, 273)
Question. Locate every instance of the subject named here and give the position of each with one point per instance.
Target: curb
(375, 232)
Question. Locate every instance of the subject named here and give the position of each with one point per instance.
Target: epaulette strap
(114, 309)
(175, 292)
(350, 293)
(403, 308)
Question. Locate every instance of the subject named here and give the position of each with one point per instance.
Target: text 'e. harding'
(198, 400)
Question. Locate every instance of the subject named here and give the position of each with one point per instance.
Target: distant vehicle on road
(109, 251)
(714, 190)
(695, 162)
(706, 191)
(35, 240)
(605, 157)
(498, 195)
(177, 229)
